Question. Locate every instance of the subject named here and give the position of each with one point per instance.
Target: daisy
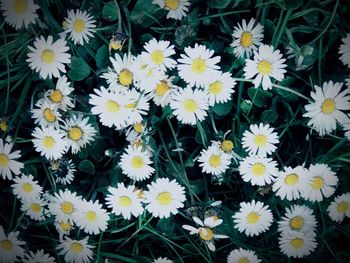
(48, 57)
(39, 256)
(344, 50)
(260, 140)
(158, 54)
(76, 250)
(80, 25)
(164, 197)
(242, 256)
(35, 208)
(198, 66)
(79, 132)
(177, 8)
(162, 260)
(290, 183)
(220, 88)
(253, 218)
(60, 95)
(321, 182)
(49, 142)
(146, 77)
(267, 63)
(46, 114)
(339, 208)
(136, 106)
(213, 160)
(258, 170)
(227, 146)
(328, 106)
(206, 231)
(19, 13)
(135, 163)
(297, 244)
(3, 124)
(246, 38)
(26, 188)
(8, 160)
(63, 170)
(10, 247)
(298, 218)
(91, 217)
(163, 91)
(63, 227)
(189, 105)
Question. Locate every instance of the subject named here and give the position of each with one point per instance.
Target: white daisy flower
(321, 182)
(198, 66)
(267, 63)
(162, 260)
(339, 208)
(246, 38)
(8, 160)
(158, 54)
(253, 218)
(214, 160)
(206, 231)
(63, 227)
(48, 57)
(298, 218)
(328, 106)
(297, 244)
(26, 188)
(260, 140)
(258, 170)
(290, 183)
(242, 256)
(10, 247)
(344, 50)
(46, 114)
(80, 25)
(177, 8)
(75, 251)
(189, 105)
(136, 106)
(39, 256)
(163, 91)
(49, 142)
(19, 13)
(164, 197)
(220, 88)
(146, 77)
(60, 95)
(35, 208)
(124, 200)
(91, 217)
(64, 171)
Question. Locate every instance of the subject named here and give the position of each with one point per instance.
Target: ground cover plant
(175, 131)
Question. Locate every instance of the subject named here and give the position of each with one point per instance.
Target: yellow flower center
(3, 125)
(4, 160)
(206, 236)
(49, 142)
(328, 106)
(258, 169)
(27, 187)
(138, 127)
(124, 201)
(297, 222)
(64, 24)
(20, 6)
(47, 56)
(138, 144)
(125, 77)
(157, 57)
(56, 96)
(317, 183)
(131, 105)
(162, 88)
(216, 87)
(260, 140)
(65, 226)
(198, 65)
(75, 133)
(67, 207)
(253, 218)
(215, 160)
(264, 67)
(112, 106)
(227, 146)
(343, 207)
(172, 4)
(49, 115)
(79, 25)
(243, 260)
(297, 243)
(35, 207)
(76, 247)
(137, 162)
(6, 244)
(164, 198)
(190, 105)
(246, 39)
(291, 179)
(90, 216)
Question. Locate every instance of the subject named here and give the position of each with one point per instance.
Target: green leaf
(109, 11)
(197, 186)
(86, 166)
(245, 106)
(269, 116)
(259, 97)
(222, 109)
(185, 35)
(96, 150)
(144, 13)
(102, 57)
(166, 225)
(219, 3)
(293, 4)
(79, 69)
